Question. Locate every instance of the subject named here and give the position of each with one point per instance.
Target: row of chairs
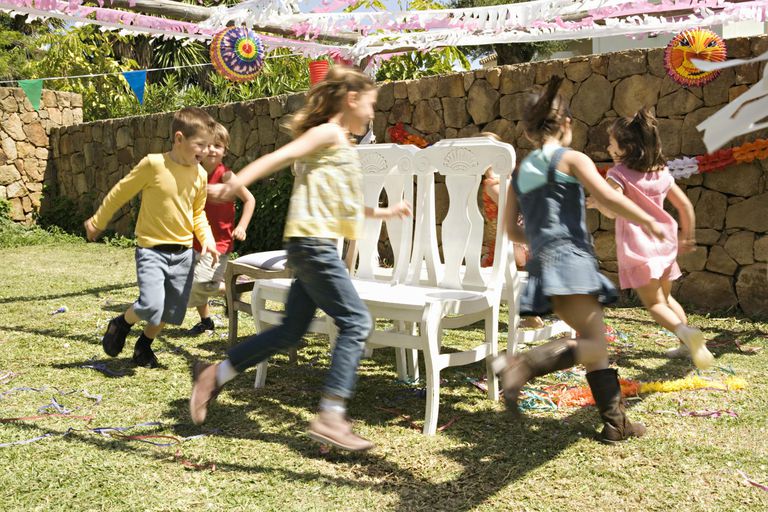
(436, 281)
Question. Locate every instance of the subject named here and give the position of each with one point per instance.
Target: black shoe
(145, 357)
(114, 339)
(203, 325)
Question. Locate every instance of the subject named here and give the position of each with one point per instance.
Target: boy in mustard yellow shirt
(173, 194)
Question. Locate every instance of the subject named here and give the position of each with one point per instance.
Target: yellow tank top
(327, 197)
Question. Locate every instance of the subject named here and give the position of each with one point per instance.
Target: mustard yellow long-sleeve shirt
(172, 202)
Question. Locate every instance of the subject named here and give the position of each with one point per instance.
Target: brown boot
(331, 427)
(204, 391)
(607, 392)
(519, 369)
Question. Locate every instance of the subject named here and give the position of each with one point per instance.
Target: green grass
(263, 459)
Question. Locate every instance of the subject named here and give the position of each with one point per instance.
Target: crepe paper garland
(581, 396)
(237, 54)
(751, 482)
(399, 135)
(697, 43)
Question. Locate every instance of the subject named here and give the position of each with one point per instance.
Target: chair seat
(378, 293)
(267, 260)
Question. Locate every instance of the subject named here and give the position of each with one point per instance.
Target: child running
(173, 192)
(646, 265)
(563, 275)
(209, 278)
(325, 205)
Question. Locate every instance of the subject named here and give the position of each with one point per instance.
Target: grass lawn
(264, 461)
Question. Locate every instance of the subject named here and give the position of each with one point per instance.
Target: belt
(171, 248)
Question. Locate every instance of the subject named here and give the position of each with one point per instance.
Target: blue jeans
(321, 280)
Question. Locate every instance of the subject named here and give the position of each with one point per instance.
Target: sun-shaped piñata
(697, 43)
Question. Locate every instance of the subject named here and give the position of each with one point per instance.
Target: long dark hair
(325, 99)
(547, 112)
(638, 139)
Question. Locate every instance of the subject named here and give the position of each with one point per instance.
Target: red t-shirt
(221, 216)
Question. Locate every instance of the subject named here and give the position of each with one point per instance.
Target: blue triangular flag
(137, 79)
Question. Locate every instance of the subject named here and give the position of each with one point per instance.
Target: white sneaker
(694, 339)
(679, 352)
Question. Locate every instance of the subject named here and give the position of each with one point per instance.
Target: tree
(510, 53)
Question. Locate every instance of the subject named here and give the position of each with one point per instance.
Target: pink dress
(642, 257)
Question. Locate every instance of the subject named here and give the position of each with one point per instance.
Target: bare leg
(666, 287)
(585, 314)
(204, 311)
(131, 317)
(655, 301)
(151, 331)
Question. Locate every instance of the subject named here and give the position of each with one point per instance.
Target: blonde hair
(326, 99)
(221, 134)
(191, 121)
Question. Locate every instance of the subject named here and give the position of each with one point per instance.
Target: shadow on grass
(52, 333)
(112, 368)
(89, 291)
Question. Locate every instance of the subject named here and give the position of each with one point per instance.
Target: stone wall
(24, 145)
(728, 268)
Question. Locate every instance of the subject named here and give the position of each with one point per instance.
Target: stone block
(421, 89)
(592, 100)
(708, 291)
(455, 112)
(402, 112)
(694, 260)
(8, 147)
(14, 127)
(679, 103)
(670, 132)
(656, 63)
(747, 73)
(692, 142)
(719, 261)
(635, 92)
(9, 174)
(751, 214)
(761, 249)
(710, 209)
(517, 78)
(483, 103)
(622, 64)
(494, 77)
(740, 245)
(514, 106)
(547, 69)
(426, 119)
(578, 70)
(503, 128)
(386, 96)
(605, 246)
(265, 126)
(597, 140)
(450, 86)
(707, 236)
(738, 180)
(751, 288)
(716, 92)
(401, 90)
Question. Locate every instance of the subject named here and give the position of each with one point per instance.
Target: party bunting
(34, 90)
(137, 80)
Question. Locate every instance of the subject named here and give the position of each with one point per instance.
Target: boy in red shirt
(209, 277)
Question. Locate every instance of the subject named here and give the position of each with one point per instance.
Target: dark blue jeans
(321, 281)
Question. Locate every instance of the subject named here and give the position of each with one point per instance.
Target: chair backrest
(462, 162)
(386, 168)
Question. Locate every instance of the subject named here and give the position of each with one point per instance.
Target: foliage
(265, 232)
(18, 44)
(13, 234)
(510, 53)
(83, 51)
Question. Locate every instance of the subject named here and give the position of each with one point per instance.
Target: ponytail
(547, 112)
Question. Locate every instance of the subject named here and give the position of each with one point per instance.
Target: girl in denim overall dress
(563, 275)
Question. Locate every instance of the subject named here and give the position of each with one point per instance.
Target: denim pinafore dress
(562, 260)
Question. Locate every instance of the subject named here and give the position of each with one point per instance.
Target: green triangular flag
(33, 89)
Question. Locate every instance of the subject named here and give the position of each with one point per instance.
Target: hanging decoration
(746, 153)
(697, 43)
(34, 90)
(399, 135)
(137, 80)
(237, 54)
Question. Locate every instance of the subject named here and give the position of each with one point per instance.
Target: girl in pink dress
(646, 264)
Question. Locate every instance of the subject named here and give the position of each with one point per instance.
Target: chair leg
(261, 375)
(492, 340)
(429, 333)
(229, 283)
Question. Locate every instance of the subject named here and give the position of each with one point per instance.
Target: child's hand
(222, 192)
(91, 231)
(210, 248)
(238, 233)
(400, 210)
(685, 245)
